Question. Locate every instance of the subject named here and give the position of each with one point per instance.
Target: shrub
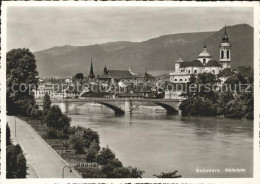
(168, 175)
(105, 155)
(15, 162)
(52, 133)
(77, 142)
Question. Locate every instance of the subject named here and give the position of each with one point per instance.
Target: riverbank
(86, 157)
(46, 162)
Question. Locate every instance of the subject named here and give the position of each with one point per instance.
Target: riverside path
(45, 161)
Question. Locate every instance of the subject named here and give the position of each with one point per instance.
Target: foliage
(92, 173)
(66, 145)
(168, 175)
(56, 119)
(88, 134)
(52, 133)
(8, 135)
(105, 155)
(79, 76)
(36, 112)
(46, 105)
(15, 162)
(127, 172)
(92, 152)
(77, 142)
(198, 106)
(235, 100)
(91, 155)
(20, 73)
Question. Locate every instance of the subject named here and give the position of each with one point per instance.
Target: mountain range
(156, 54)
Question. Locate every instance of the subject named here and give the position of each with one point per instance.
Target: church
(203, 63)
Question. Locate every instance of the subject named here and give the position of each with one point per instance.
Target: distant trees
(79, 76)
(233, 100)
(21, 77)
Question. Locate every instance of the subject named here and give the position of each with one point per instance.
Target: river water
(157, 142)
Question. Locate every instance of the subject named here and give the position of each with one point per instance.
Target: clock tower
(225, 51)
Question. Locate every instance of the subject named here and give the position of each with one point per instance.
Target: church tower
(91, 73)
(225, 51)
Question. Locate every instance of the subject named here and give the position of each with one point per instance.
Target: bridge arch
(113, 107)
(170, 109)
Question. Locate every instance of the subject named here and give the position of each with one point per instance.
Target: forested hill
(155, 54)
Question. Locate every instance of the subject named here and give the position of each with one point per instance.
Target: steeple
(91, 73)
(105, 69)
(225, 36)
(204, 47)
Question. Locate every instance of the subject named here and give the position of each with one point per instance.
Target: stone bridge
(119, 106)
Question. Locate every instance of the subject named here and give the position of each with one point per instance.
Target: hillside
(154, 54)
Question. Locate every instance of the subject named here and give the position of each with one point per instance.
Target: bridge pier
(128, 106)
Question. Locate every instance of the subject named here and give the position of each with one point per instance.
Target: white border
(255, 5)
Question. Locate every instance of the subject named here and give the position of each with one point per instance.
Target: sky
(39, 28)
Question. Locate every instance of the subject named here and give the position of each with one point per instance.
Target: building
(203, 63)
(91, 72)
(115, 76)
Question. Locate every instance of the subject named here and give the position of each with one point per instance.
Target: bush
(105, 155)
(52, 133)
(168, 175)
(77, 142)
(36, 113)
(92, 173)
(91, 155)
(197, 106)
(89, 135)
(15, 162)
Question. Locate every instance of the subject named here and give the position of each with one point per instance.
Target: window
(195, 71)
(228, 54)
(213, 71)
(222, 54)
(189, 71)
(180, 79)
(175, 79)
(204, 61)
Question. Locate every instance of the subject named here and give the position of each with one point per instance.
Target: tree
(77, 142)
(8, 135)
(88, 134)
(21, 78)
(52, 118)
(91, 155)
(56, 119)
(15, 162)
(46, 105)
(105, 155)
(79, 76)
(168, 175)
(66, 145)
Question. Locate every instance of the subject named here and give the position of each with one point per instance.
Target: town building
(203, 63)
(115, 76)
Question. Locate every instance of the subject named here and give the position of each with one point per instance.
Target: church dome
(204, 53)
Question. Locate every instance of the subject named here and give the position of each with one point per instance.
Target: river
(157, 142)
